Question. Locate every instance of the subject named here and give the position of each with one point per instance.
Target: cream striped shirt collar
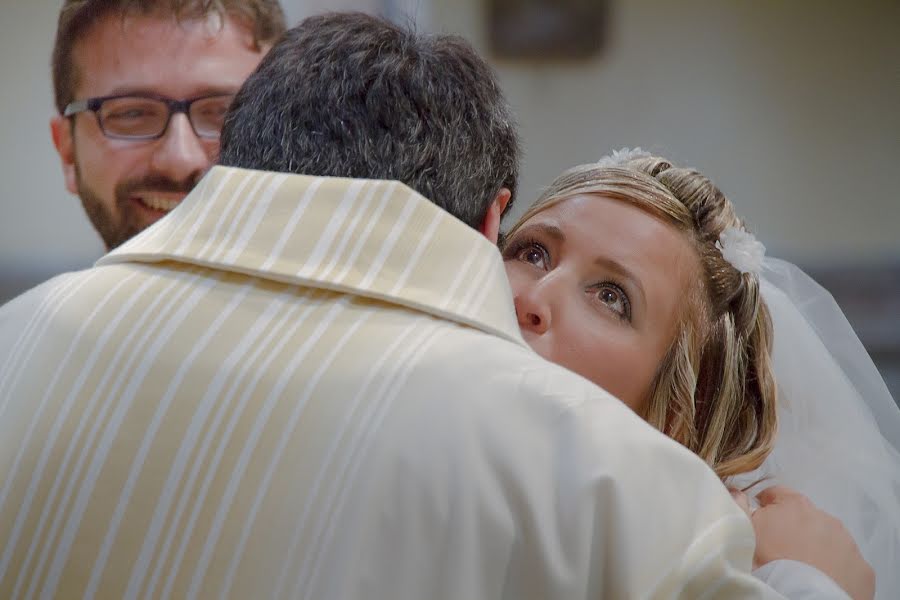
(371, 238)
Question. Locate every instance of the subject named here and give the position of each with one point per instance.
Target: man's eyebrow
(130, 90)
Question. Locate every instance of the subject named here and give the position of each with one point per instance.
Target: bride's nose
(533, 311)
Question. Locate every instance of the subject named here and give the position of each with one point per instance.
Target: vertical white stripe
(328, 235)
(350, 420)
(88, 417)
(291, 225)
(476, 284)
(187, 221)
(477, 305)
(412, 199)
(462, 271)
(153, 426)
(367, 232)
(204, 207)
(347, 471)
(348, 233)
(277, 455)
(223, 241)
(260, 208)
(101, 453)
(255, 433)
(37, 313)
(413, 260)
(36, 476)
(152, 240)
(198, 499)
(260, 196)
(225, 439)
(41, 318)
(226, 210)
(233, 371)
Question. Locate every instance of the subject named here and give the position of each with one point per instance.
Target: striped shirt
(300, 387)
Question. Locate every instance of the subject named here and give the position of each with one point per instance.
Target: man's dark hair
(352, 95)
(263, 17)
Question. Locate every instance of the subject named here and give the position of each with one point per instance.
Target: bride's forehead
(592, 224)
(597, 212)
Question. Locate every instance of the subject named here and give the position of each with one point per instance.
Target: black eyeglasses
(133, 117)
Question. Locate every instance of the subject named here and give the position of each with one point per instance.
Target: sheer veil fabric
(838, 436)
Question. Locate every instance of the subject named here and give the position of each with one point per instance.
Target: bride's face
(599, 287)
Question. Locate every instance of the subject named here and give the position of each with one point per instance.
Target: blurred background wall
(792, 107)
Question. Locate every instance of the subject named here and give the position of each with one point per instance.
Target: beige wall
(791, 106)
(42, 227)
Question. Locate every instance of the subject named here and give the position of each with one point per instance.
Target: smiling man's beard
(119, 223)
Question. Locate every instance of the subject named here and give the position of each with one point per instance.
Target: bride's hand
(789, 526)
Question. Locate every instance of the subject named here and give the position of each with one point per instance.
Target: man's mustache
(155, 183)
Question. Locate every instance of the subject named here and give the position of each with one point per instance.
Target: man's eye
(216, 110)
(134, 113)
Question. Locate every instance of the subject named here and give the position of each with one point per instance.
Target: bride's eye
(614, 298)
(532, 255)
(530, 252)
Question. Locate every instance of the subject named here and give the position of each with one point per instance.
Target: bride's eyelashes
(609, 294)
(529, 251)
(613, 297)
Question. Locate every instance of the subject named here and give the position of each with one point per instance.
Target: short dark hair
(353, 95)
(264, 18)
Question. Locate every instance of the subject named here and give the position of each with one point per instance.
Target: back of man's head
(352, 95)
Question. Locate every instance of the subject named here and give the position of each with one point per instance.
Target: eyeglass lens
(147, 117)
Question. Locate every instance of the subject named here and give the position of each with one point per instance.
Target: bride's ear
(490, 227)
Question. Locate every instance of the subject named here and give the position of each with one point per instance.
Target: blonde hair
(714, 391)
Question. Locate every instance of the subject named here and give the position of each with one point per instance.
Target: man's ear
(490, 227)
(61, 130)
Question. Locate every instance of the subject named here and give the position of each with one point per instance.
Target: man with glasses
(141, 87)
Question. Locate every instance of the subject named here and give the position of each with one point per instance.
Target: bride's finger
(777, 493)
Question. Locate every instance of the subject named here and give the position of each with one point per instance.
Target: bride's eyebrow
(544, 229)
(627, 275)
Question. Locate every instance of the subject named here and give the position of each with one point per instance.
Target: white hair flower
(622, 156)
(740, 248)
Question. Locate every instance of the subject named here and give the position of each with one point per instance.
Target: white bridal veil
(838, 436)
